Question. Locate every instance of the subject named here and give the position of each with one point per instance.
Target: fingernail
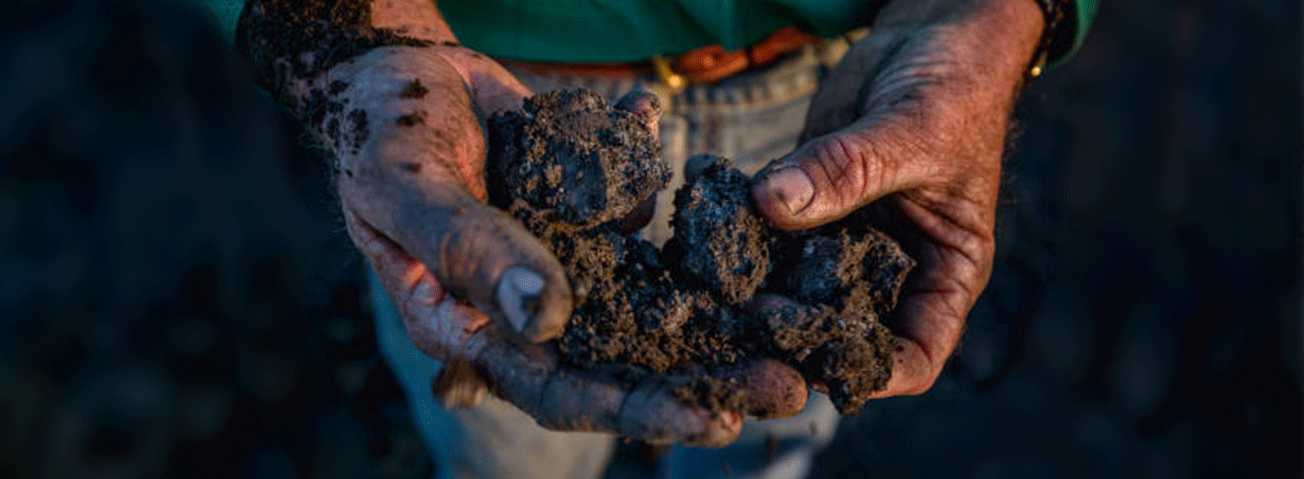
(640, 102)
(792, 187)
(518, 296)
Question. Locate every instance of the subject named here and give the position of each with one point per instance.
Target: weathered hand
(915, 117)
(403, 115)
(418, 181)
(524, 373)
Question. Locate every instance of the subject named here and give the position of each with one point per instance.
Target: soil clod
(575, 159)
(720, 242)
(571, 167)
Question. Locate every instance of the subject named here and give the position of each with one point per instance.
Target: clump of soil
(570, 167)
(847, 265)
(721, 244)
(579, 161)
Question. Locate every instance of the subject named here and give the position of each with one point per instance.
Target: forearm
(290, 40)
(397, 104)
(371, 81)
(973, 53)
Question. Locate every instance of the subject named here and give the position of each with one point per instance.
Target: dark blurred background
(178, 299)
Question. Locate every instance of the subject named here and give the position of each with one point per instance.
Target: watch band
(1055, 14)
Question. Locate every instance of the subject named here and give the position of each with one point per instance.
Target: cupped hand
(413, 199)
(914, 120)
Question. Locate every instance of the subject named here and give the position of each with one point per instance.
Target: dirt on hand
(570, 167)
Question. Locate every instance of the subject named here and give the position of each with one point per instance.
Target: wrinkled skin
(915, 114)
(401, 107)
(913, 122)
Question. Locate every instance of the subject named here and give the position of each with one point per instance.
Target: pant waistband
(700, 66)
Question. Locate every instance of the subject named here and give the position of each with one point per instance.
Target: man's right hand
(404, 121)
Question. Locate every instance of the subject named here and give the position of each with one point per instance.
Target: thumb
(477, 253)
(420, 185)
(481, 255)
(831, 176)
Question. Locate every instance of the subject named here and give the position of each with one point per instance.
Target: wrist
(1013, 27)
(287, 41)
(1057, 33)
(997, 38)
(902, 13)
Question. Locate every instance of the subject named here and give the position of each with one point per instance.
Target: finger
(646, 106)
(477, 253)
(831, 176)
(436, 323)
(840, 98)
(773, 389)
(654, 412)
(801, 333)
(402, 276)
(640, 216)
(420, 184)
(647, 408)
(954, 266)
(836, 168)
(486, 257)
(492, 88)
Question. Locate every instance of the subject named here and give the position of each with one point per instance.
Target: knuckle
(929, 126)
(848, 164)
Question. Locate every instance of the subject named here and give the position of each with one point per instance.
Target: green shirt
(608, 31)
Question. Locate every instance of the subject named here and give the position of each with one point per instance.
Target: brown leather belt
(703, 65)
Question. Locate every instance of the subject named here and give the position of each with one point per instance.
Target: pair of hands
(914, 119)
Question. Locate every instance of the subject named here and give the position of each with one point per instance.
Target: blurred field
(177, 297)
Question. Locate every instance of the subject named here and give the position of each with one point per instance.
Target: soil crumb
(720, 243)
(570, 167)
(575, 159)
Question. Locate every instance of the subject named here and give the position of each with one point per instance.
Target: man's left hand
(915, 117)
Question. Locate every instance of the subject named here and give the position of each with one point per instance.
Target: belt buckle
(674, 81)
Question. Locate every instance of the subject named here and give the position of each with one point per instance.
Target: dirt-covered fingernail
(640, 102)
(791, 187)
(518, 296)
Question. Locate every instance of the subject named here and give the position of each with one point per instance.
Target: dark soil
(847, 265)
(720, 244)
(581, 162)
(1172, 161)
(570, 167)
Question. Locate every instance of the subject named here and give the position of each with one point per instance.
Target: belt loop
(831, 51)
(856, 35)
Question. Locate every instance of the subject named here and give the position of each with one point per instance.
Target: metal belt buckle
(674, 81)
